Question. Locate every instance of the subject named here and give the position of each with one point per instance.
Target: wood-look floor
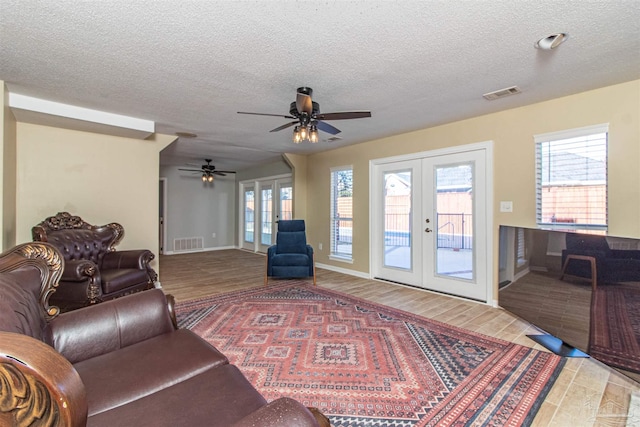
(566, 310)
(587, 393)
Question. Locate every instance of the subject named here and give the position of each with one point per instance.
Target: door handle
(428, 230)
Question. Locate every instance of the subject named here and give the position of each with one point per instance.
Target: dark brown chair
(94, 271)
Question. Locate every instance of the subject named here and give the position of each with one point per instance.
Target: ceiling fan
(309, 119)
(208, 171)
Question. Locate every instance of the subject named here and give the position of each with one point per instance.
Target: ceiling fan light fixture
(296, 135)
(303, 133)
(313, 134)
(209, 178)
(204, 177)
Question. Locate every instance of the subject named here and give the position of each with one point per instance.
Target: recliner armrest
(134, 258)
(283, 412)
(79, 270)
(102, 328)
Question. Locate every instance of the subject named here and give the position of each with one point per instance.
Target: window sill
(341, 259)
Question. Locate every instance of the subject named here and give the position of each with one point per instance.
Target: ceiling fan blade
(345, 115)
(267, 114)
(225, 172)
(190, 170)
(303, 103)
(284, 126)
(219, 173)
(326, 127)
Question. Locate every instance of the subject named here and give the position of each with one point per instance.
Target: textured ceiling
(192, 65)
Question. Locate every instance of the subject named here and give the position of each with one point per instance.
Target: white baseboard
(359, 274)
(521, 274)
(219, 248)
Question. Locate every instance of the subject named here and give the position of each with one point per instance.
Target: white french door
(264, 202)
(430, 223)
(248, 209)
(266, 218)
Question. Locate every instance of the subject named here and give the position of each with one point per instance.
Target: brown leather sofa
(94, 271)
(119, 363)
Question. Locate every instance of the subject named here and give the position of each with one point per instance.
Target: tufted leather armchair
(94, 271)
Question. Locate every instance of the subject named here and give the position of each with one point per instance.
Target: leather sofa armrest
(283, 412)
(134, 258)
(39, 386)
(79, 270)
(102, 328)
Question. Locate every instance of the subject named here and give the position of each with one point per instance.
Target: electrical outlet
(213, 235)
(506, 206)
(319, 246)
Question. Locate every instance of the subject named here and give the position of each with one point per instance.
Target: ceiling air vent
(502, 93)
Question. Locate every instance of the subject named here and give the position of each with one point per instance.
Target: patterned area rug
(615, 326)
(364, 364)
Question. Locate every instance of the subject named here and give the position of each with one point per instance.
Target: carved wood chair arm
(40, 387)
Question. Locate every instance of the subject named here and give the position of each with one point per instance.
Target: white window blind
(341, 212)
(520, 247)
(571, 169)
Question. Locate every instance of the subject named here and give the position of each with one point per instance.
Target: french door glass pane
(454, 231)
(397, 219)
(266, 218)
(249, 215)
(286, 203)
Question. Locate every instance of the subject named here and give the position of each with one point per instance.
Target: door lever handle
(428, 230)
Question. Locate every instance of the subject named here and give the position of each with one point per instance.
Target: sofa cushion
(133, 372)
(118, 279)
(217, 397)
(20, 311)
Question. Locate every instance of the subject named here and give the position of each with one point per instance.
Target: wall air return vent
(502, 93)
(188, 244)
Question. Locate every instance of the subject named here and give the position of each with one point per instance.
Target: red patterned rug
(364, 364)
(615, 326)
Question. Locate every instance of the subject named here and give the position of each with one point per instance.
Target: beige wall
(8, 174)
(98, 177)
(514, 163)
(298, 164)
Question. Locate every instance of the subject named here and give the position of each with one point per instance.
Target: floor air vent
(188, 244)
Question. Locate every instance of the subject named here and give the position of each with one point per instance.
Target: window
(341, 212)
(286, 202)
(571, 168)
(520, 248)
(267, 222)
(249, 208)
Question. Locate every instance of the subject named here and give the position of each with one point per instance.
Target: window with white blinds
(341, 212)
(520, 248)
(571, 169)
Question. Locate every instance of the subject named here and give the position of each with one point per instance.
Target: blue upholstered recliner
(291, 256)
